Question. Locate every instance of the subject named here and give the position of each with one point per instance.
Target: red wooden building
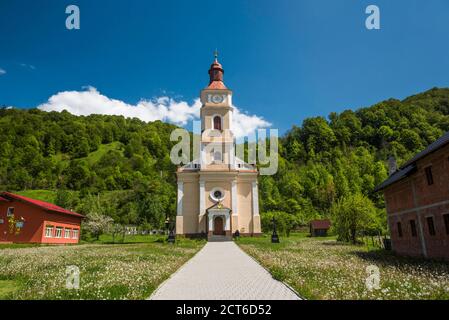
(25, 220)
(417, 201)
(319, 228)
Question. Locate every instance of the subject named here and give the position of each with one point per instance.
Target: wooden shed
(319, 228)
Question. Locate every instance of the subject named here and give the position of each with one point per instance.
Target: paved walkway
(222, 271)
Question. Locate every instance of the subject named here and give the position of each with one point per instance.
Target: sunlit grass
(116, 271)
(322, 268)
(43, 195)
(8, 287)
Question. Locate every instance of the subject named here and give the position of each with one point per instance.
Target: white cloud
(165, 109)
(28, 66)
(244, 124)
(2, 71)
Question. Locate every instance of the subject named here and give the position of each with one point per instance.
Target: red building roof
(320, 224)
(217, 85)
(42, 204)
(3, 199)
(216, 73)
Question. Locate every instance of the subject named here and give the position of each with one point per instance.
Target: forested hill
(325, 160)
(41, 150)
(321, 161)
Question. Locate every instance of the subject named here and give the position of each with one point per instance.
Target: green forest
(119, 168)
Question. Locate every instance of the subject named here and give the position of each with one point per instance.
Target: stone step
(215, 238)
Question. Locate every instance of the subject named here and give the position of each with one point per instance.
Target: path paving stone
(222, 271)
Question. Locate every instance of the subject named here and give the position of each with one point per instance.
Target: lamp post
(171, 232)
(274, 236)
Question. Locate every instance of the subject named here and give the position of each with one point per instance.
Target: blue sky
(285, 60)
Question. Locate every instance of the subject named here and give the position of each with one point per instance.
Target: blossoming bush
(127, 271)
(326, 269)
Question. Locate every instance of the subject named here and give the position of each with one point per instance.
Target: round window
(217, 194)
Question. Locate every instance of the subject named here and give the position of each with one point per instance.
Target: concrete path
(222, 271)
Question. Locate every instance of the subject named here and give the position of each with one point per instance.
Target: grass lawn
(95, 156)
(7, 287)
(92, 157)
(108, 239)
(322, 268)
(43, 195)
(107, 271)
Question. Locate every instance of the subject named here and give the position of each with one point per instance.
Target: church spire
(216, 73)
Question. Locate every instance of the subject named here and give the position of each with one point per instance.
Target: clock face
(216, 98)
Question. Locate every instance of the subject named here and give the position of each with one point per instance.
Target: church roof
(216, 73)
(217, 85)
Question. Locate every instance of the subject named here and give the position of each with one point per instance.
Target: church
(217, 192)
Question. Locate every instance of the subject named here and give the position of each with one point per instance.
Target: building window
(446, 222)
(75, 234)
(67, 233)
(217, 156)
(399, 229)
(429, 175)
(10, 212)
(48, 232)
(217, 123)
(58, 233)
(413, 228)
(431, 226)
(217, 194)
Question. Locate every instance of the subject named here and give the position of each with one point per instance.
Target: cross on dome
(216, 73)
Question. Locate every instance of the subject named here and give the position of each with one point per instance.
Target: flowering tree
(97, 224)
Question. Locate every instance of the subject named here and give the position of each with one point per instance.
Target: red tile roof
(42, 204)
(216, 74)
(3, 199)
(320, 224)
(217, 85)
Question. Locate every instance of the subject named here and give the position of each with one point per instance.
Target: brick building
(417, 202)
(26, 220)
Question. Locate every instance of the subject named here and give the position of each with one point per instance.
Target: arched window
(217, 123)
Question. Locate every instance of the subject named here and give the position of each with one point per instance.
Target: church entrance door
(218, 226)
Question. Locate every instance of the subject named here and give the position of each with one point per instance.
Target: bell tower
(217, 139)
(217, 191)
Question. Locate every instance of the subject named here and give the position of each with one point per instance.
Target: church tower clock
(217, 193)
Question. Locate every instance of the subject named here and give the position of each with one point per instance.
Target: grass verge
(322, 268)
(107, 271)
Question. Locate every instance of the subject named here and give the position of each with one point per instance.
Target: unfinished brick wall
(413, 198)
